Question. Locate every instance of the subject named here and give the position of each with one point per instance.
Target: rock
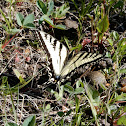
(96, 78)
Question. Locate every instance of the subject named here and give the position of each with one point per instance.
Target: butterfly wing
(58, 54)
(78, 60)
(57, 51)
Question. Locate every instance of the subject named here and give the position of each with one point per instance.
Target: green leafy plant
(114, 6)
(102, 26)
(9, 26)
(4, 85)
(58, 95)
(26, 22)
(120, 51)
(118, 55)
(30, 121)
(6, 89)
(100, 22)
(50, 14)
(83, 10)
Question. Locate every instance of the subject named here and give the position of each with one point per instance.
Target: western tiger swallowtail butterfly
(58, 53)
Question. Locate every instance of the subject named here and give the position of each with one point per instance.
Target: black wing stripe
(79, 58)
(45, 35)
(83, 59)
(54, 43)
(42, 42)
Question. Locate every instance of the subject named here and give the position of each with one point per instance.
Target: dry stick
(82, 75)
(92, 32)
(8, 63)
(8, 41)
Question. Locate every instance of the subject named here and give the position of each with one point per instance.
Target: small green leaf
(122, 120)
(68, 88)
(4, 79)
(19, 18)
(103, 24)
(101, 35)
(121, 97)
(42, 6)
(77, 84)
(78, 47)
(48, 20)
(77, 103)
(21, 79)
(108, 55)
(50, 8)
(16, 73)
(60, 113)
(79, 119)
(79, 90)
(12, 124)
(110, 41)
(15, 30)
(28, 20)
(61, 11)
(90, 16)
(124, 109)
(115, 35)
(62, 27)
(10, 1)
(30, 121)
(67, 42)
(5, 27)
(100, 26)
(68, 113)
(47, 107)
(123, 71)
(29, 25)
(89, 91)
(61, 89)
(119, 4)
(112, 2)
(41, 20)
(6, 20)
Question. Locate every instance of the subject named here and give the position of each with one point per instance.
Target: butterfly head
(57, 78)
